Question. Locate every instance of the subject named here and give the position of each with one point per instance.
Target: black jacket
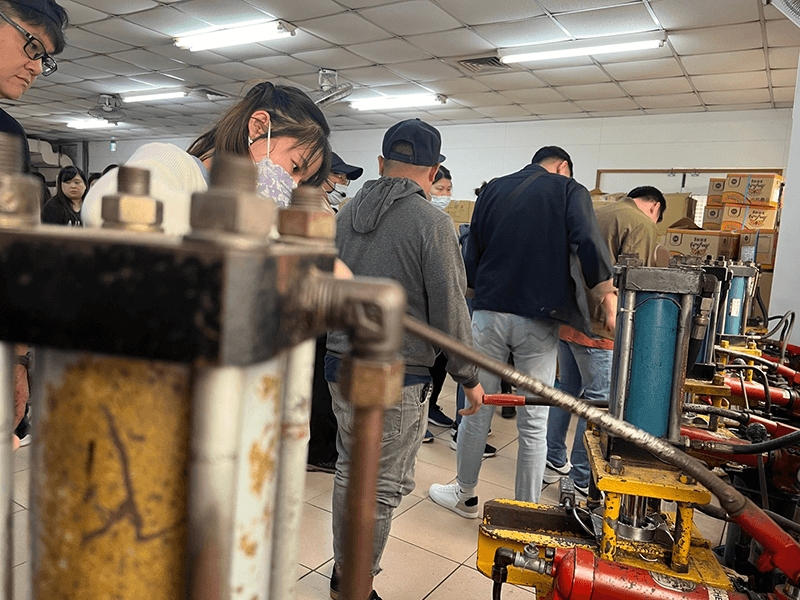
(58, 211)
(522, 256)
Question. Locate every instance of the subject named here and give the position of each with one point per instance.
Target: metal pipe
(622, 355)
(7, 366)
(633, 510)
(679, 368)
(214, 445)
(711, 332)
(781, 550)
(295, 413)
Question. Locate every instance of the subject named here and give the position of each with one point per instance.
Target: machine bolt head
(615, 466)
(686, 479)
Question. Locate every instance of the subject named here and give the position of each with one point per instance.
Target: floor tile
(16, 508)
(469, 583)
(427, 474)
(499, 471)
(20, 579)
(438, 453)
(316, 538)
(22, 458)
(302, 571)
(409, 571)
(19, 521)
(313, 587)
(316, 484)
(22, 488)
(437, 530)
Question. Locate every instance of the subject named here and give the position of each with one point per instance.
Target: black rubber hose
(762, 306)
(780, 324)
(768, 446)
(497, 589)
(704, 409)
(764, 382)
(715, 512)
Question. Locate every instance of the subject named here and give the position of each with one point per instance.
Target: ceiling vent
(790, 8)
(483, 64)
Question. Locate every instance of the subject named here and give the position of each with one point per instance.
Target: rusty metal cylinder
(19, 194)
(7, 364)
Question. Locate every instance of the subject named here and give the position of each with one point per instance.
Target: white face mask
(338, 194)
(440, 202)
(273, 182)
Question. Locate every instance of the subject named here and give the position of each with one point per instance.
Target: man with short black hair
(390, 229)
(30, 33)
(529, 229)
(584, 361)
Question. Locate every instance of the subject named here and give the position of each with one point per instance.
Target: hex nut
(306, 223)
(19, 200)
(132, 212)
(686, 479)
(236, 212)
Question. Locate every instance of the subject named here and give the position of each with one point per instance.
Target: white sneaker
(553, 474)
(447, 496)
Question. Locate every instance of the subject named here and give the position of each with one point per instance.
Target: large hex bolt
(615, 466)
(307, 216)
(231, 204)
(19, 193)
(132, 208)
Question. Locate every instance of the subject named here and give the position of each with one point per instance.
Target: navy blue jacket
(522, 255)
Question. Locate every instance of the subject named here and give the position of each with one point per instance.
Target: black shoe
(322, 467)
(488, 451)
(508, 412)
(335, 587)
(438, 418)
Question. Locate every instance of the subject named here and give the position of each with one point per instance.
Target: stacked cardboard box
(460, 211)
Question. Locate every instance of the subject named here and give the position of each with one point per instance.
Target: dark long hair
(292, 114)
(67, 174)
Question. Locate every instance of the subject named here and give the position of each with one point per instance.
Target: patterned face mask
(273, 181)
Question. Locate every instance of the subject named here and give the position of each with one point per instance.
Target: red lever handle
(504, 399)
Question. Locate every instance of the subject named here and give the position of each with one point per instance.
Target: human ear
(258, 124)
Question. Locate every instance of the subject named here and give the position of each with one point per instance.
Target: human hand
(475, 397)
(609, 305)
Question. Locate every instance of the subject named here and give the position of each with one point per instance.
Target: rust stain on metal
(249, 548)
(112, 491)
(262, 465)
(269, 388)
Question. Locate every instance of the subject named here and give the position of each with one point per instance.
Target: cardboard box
(748, 216)
(702, 243)
(712, 217)
(759, 246)
(715, 187)
(460, 210)
(765, 285)
(678, 207)
(753, 189)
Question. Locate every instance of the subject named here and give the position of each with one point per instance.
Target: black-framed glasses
(34, 48)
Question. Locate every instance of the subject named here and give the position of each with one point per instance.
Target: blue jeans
(461, 398)
(403, 429)
(583, 372)
(534, 345)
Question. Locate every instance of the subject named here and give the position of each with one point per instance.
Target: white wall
(476, 153)
(100, 154)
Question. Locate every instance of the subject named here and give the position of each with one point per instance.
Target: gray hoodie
(389, 229)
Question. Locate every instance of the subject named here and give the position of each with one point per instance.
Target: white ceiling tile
(57, 77)
(237, 88)
(481, 99)
(388, 51)
(344, 29)
(297, 10)
(673, 14)
(168, 21)
(558, 6)
(221, 14)
(129, 33)
(196, 59)
(334, 58)
(736, 96)
(782, 33)
(301, 41)
(119, 8)
(651, 87)
(646, 69)
(784, 104)
(783, 58)
(237, 71)
(410, 17)
(147, 60)
(118, 85)
(517, 119)
(676, 110)
(770, 13)
(461, 85)
(531, 31)
(593, 91)
(726, 62)
(730, 81)
(573, 75)
(533, 96)
(80, 71)
(86, 40)
(80, 14)
(456, 42)
(668, 101)
(478, 13)
(617, 113)
(110, 65)
(717, 39)
(426, 70)
(158, 80)
(511, 110)
(750, 106)
(361, 3)
(343, 121)
(617, 57)
(282, 65)
(245, 52)
(783, 77)
(607, 104)
(71, 52)
(619, 20)
(783, 94)
(197, 76)
(518, 80)
(372, 76)
(553, 108)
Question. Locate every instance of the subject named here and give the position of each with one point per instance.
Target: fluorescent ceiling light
(156, 96)
(590, 47)
(411, 100)
(90, 124)
(235, 35)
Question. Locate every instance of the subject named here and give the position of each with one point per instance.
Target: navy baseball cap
(424, 139)
(339, 166)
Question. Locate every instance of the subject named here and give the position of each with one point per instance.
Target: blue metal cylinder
(735, 306)
(653, 358)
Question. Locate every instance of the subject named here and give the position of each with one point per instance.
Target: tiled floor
(431, 552)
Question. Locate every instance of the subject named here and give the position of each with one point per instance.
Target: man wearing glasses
(30, 32)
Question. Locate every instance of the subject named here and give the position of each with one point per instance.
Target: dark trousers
(439, 374)
(322, 441)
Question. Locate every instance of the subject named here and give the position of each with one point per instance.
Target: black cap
(339, 166)
(44, 8)
(424, 139)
